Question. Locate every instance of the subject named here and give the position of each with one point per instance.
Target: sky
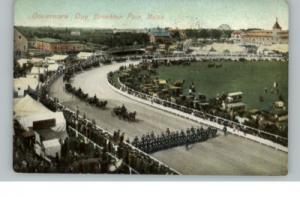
(127, 14)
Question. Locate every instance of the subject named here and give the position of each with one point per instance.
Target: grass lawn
(249, 77)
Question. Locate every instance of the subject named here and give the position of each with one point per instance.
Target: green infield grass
(250, 77)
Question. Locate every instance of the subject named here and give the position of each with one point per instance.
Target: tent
(57, 57)
(23, 83)
(36, 60)
(84, 55)
(22, 61)
(52, 147)
(27, 121)
(38, 70)
(27, 110)
(53, 67)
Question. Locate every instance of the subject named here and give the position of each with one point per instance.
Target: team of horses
(85, 97)
(124, 114)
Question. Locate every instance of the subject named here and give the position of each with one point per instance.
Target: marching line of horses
(151, 143)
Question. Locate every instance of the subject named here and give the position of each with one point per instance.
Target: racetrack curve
(223, 155)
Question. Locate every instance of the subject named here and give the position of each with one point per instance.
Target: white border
(6, 172)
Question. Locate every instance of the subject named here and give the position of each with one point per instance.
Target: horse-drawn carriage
(77, 92)
(83, 96)
(123, 113)
(69, 88)
(80, 94)
(67, 76)
(95, 101)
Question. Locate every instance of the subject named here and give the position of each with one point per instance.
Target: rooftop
(53, 40)
(49, 40)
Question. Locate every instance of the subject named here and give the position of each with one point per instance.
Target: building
(236, 36)
(159, 35)
(20, 43)
(56, 45)
(262, 37)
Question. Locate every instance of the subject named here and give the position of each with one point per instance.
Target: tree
(203, 33)
(215, 34)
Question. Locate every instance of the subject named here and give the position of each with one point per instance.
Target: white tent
(53, 67)
(52, 147)
(84, 55)
(27, 110)
(36, 60)
(60, 123)
(38, 70)
(50, 61)
(22, 61)
(23, 83)
(57, 57)
(27, 106)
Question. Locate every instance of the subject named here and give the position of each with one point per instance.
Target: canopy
(57, 57)
(38, 70)
(53, 67)
(27, 106)
(21, 84)
(27, 121)
(84, 55)
(52, 147)
(27, 110)
(22, 61)
(37, 60)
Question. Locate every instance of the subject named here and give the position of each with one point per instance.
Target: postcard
(162, 87)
